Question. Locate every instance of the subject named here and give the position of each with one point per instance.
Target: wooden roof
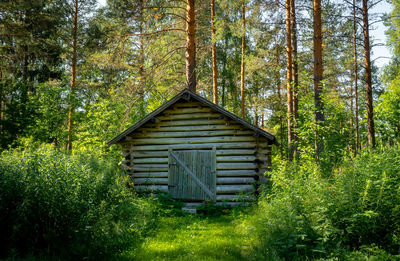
(187, 95)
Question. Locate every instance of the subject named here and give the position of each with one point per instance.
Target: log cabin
(196, 151)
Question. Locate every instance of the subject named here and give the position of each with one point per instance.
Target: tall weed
(73, 206)
(309, 215)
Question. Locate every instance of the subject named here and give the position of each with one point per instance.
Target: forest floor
(194, 237)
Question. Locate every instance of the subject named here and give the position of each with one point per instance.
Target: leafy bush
(307, 215)
(69, 206)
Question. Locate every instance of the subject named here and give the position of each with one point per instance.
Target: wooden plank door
(192, 174)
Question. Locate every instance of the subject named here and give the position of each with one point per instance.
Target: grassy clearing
(193, 237)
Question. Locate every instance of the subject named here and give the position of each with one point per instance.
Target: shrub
(69, 206)
(309, 214)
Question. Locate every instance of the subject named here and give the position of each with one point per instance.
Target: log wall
(242, 156)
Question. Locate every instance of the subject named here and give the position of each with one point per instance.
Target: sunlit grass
(193, 237)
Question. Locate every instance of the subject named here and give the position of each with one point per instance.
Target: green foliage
(69, 206)
(308, 216)
(191, 237)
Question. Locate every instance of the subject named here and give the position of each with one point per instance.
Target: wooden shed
(196, 151)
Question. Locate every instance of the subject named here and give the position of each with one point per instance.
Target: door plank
(191, 174)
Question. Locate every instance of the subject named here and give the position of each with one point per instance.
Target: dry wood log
(235, 180)
(188, 110)
(201, 115)
(234, 197)
(142, 141)
(162, 134)
(150, 160)
(235, 145)
(236, 173)
(144, 154)
(228, 189)
(152, 188)
(236, 158)
(223, 126)
(191, 122)
(150, 167)
(235, 152)
(150, 181)
(236, 166)
(150, 174)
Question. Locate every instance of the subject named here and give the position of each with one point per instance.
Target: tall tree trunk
(243, 50)
(214, 53)
(73, 76)
(190, 45)
(351, 115)
(278, 92)
(223, 83)
(289, 77)
(318, 72)
(355, 77)
(295, 74)
(142, 82)
(368, 77)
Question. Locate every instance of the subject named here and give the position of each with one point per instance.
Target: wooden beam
(233, 145)
(142, 141)
(236, 166)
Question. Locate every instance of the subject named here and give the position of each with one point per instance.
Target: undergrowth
(351, 213)
(67, 206)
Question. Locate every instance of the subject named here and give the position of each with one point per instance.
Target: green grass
(193, 237)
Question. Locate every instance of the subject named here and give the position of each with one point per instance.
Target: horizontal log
(234, 197)
(188, 110)
(171, 141)
(235, 152)
(150, 154)
(219, 159)
(236, 166)
(235, 158)
(155, 154)
(150, 160)
(150, 174)
(235, 180)
(163, 134)
(151, 188)
(200, 115)
(189, 104)
(227, 189)
(191, 122)
(218, 145)
(156, 181)
(150, 167)
(152, 127)
(236, 173)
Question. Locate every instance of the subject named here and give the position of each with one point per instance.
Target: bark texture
(368, 77)
(357, 145)
(318, 72)
(289, 78)
(190, 53)
(242, 64)
(295, 74)
(214, 53)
